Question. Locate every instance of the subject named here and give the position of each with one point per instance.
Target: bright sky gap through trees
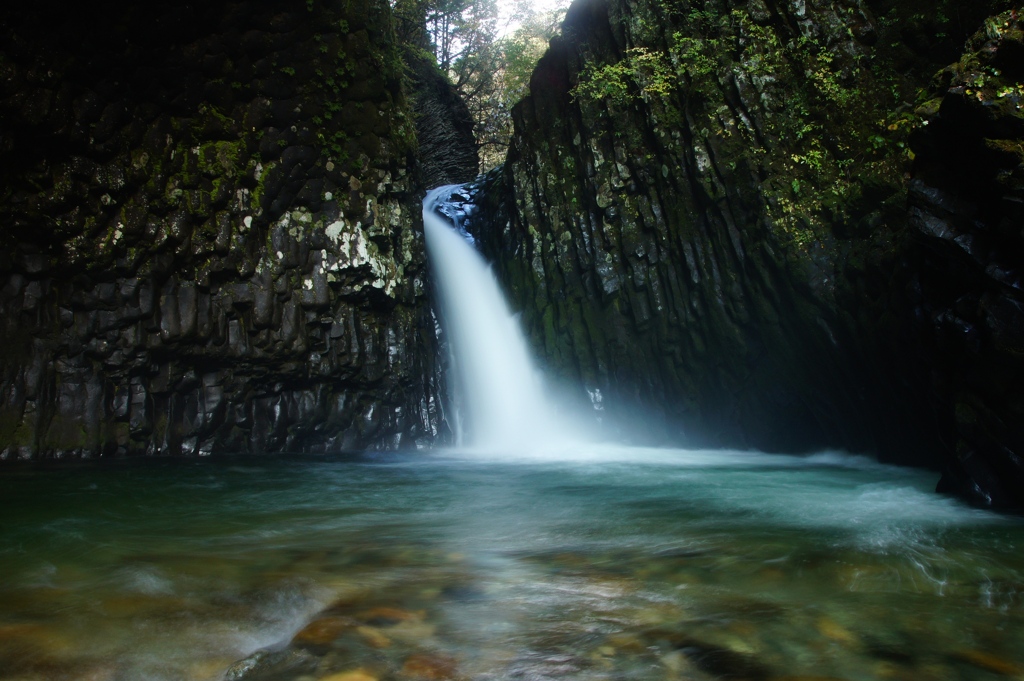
(488, 49)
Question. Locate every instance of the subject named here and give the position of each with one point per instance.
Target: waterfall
(501, 397)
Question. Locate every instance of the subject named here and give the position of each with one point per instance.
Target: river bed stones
(287, 574)
(585, 626)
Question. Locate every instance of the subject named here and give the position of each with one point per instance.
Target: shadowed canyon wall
(211, 233)
(704, 218)
(967, 214)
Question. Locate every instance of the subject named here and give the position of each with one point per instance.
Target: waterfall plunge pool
(597, 563)
(523, 556)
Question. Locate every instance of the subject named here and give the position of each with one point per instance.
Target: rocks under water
(623, 562)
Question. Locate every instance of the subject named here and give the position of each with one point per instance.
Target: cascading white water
(501, 394)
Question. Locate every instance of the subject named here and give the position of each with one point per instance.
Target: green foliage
(456, 30)
(823, 113)
(611, 81)
(523, 48)
(515, 55)
(489, 67)
(642, 74)
(333, 70)
(334, 144)
(691, 61)
(692, 54)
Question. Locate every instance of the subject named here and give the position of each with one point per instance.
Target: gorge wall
(704, 218)
(211, 233)
(966, 199)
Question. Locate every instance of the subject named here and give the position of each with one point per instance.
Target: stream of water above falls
(603, 563)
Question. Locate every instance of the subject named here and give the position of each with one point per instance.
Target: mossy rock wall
(210, 233)
(704, 217)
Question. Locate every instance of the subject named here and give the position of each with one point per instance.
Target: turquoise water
(601, 563)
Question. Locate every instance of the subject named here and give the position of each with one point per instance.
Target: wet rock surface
(211, 233)
(704, 218)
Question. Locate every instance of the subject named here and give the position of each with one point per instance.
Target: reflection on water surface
(608, 563)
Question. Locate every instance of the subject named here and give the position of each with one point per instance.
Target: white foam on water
(854, 499)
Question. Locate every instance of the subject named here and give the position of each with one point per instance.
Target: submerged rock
(266, 663)
(988, 662)
(323, 631)
(430, 667)
(354, 675)
(724, 663)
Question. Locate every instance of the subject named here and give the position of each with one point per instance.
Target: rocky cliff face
(704, 219)
(444, 126)
(211, 231)
(967, 212)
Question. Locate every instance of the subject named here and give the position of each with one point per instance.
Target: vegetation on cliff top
(488, 55)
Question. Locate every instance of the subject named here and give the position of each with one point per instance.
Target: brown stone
(352, 675)
(429, 666)
(385, 616)
(374, 637)
(837, 632)
(323, 631)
